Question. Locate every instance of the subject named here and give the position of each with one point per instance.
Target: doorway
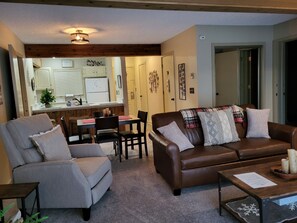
(290, 80)
(168, 83)
(237, 75)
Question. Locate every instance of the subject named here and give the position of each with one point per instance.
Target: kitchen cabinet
(94, 71)
(43, 78)
(68, 81)
(36, 62)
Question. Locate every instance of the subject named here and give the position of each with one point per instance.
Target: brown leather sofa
(199, 165)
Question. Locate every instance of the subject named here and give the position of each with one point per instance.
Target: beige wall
(7, 37)
(155, 99)
(184, 49)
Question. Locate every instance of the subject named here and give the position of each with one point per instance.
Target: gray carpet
(139, 194)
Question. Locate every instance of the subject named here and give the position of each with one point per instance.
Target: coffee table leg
(262, 210)
(220, 196)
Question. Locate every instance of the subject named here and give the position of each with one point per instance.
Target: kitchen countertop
(60, 107)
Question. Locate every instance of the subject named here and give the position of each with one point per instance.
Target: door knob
(172, 99)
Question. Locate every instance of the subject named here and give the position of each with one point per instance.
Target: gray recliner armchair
(78, 182)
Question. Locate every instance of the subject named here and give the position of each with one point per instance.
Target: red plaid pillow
(191, 117)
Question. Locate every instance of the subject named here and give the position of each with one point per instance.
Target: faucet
(79, 100)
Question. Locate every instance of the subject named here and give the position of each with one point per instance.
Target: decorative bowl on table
(277, 170)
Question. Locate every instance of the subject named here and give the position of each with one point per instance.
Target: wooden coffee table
(265, 195)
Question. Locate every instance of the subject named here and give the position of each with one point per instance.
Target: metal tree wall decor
(154, 81)
(182, 81)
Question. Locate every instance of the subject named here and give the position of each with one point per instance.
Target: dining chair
(72, 124)
(107, 130)
(97, 114)
(131, 136)
(74, 139)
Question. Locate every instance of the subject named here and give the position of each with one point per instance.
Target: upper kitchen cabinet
(43, 78)
(94, 71)
(36, 62)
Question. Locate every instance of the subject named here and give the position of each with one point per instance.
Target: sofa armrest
(163, 143)
(86, 150)
(283, 132)
(62, 184)
(167, 161)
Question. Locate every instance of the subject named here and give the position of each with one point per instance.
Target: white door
(19, 83)
(131, 90)
(143, 88)
(168, 83)
(227, 73)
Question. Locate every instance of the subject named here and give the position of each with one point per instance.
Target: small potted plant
(47, 98)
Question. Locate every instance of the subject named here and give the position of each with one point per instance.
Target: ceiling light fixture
(79, 37)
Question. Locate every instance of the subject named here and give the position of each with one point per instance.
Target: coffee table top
(21, 190)
(284, 188)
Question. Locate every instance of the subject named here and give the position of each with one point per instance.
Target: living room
(197, 54)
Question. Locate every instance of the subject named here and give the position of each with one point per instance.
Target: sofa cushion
(191, 119)
(52, 144)
(20, 129)
(258, 147)
(257, 123)
(218, 127)
(202, 156)
(174, 134)
(93, 168)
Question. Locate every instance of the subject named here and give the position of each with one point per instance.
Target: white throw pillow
(174, 134)
(218, 127)
(257, 123)
(52, 144)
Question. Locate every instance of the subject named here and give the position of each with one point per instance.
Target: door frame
(21, 102)
(279, 76)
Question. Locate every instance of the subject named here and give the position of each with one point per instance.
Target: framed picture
(182, 81)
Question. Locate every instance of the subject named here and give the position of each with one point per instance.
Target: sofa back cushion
(20, 129)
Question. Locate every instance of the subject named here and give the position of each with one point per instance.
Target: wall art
(182, 81)
(154, 81)
(94, 63)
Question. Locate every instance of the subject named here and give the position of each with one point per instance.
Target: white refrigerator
(97, 89)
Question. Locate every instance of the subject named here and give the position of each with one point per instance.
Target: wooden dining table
(89, 123)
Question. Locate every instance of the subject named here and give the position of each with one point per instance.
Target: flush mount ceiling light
(79, 37)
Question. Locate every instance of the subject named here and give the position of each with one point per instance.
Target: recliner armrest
(283, 132)
(57, 179)
(86, 150)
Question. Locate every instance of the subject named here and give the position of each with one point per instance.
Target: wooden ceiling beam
(91, 50)
(258, 6)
